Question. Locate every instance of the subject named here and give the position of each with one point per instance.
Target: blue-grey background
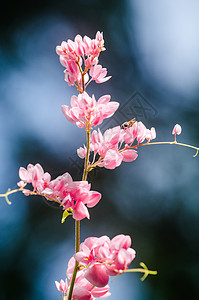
(153, 57)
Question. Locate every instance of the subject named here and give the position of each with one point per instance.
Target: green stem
(84, 177)
(73, 281)
(77, 223)
(77, 236)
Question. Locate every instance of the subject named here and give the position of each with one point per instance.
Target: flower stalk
(77, 223)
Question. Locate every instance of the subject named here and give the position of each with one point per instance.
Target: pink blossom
(86, 112)
(129, 155)
(98, 74)
(82, 52)
(81, 152)
(150, 134)
(177, 129)
(73, 195)
(141, 131)
(62, 286)
(117, 144)
(108, 146)
(104, 257)
(81, 293)
(83, 289)
(97, 275)
(35, 175)
(112, 159)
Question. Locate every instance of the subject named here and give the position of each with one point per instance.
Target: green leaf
(64, 216)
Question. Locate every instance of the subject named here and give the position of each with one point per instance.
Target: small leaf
(64, 216)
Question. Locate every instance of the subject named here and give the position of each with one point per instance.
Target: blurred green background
(152, 55)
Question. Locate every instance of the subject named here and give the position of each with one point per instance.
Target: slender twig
(167, 143)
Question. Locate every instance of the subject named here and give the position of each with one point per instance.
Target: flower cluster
(86, 112)
(98, 259)
(82, 53)
(73, 196)
(103, 257)
(116, 145)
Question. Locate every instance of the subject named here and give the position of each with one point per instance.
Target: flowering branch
(96, 259)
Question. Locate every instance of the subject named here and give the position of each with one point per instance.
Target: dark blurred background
(152, 55)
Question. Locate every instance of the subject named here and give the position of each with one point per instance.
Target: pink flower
(129, 155)
(112, 159)
(98, 74)
(150, 134)
(75, 196)
(35, 175)
(82, 52)
(97, 275)
(98, 259)
(111, 148)
(177, 129)
(104, 257)
(87, 112)
(83, 289)
(108, 146)
(62, 286)
(81, 152)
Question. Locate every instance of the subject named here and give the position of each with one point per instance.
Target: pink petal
(112, 159)
(80, 256)
(94, 198)
(111, 107)
(104, 99)
(23, 174)
(103, 79)
(97, 275)
(81, 152)
(141, 132)
(81, 293)
(66, 111)
(129, 155)
(121, 241)
(80, 212)
(99, 292)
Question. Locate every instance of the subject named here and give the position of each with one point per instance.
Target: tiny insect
(128, 124)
